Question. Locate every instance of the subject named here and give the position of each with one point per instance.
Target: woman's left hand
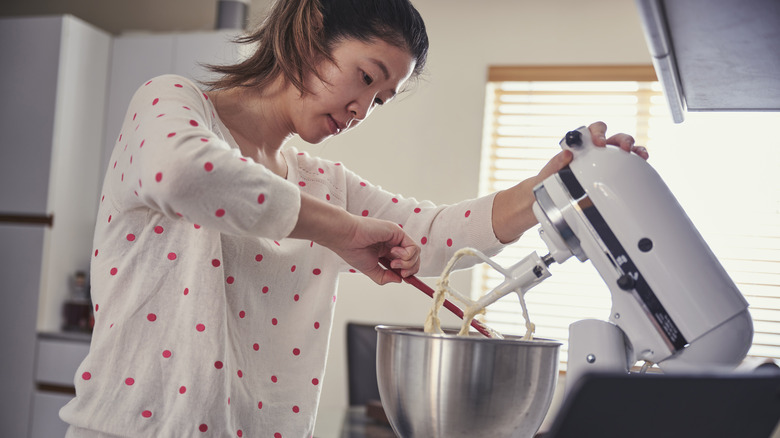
(512, 208)
(598, 134)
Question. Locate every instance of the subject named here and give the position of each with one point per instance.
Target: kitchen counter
(357, 424)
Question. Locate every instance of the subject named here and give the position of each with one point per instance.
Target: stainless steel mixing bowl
(452, 386)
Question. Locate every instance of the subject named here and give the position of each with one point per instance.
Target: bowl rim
(451, 334)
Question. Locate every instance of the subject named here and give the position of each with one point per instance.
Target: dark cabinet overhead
(715, 55)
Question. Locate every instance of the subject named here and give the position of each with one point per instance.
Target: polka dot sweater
(208, 321)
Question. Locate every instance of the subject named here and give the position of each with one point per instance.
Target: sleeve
(169, 158)
(440, 230)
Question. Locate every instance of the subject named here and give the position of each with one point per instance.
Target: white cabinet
(65, 87)
(136, 58)
(53, 86)
(20, 264)
(58, 356)
(45, 415)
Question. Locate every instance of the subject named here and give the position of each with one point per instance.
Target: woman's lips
(334, 126)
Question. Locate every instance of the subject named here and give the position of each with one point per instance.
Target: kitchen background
(426, 144)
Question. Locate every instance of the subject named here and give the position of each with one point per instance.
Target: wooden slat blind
(528, 109)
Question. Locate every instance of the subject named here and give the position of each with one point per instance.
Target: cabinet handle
(27, 219)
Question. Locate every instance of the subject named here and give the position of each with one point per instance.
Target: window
(724, 169)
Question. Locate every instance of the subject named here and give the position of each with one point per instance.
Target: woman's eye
(379, 101)
(367, 79)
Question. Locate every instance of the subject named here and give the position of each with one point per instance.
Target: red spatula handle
(416, 282)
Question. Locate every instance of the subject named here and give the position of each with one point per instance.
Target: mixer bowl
(443, 385)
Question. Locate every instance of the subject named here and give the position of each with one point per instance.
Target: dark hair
(298, 34)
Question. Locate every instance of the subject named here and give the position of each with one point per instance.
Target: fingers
(556, 163)
(598, 131)
(641, 151)
(623, 141)
(405, 259)
(382, 276)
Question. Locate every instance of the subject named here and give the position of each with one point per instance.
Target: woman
(217, 250)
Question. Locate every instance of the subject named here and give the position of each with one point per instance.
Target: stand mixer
(673, 304)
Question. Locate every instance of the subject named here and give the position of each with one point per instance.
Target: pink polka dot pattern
(193, 274)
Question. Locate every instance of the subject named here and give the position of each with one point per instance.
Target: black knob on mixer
(626, 282)
(573, 138)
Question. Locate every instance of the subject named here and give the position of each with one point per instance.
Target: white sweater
(208, 320)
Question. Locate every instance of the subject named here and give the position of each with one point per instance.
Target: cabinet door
(30, 52)
(58, 360)
(134, 60)
(20, 270)
(46, 421)
(194, 50)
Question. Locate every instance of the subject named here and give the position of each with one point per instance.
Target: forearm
(322, 222)
(512, 212)
(513, 208)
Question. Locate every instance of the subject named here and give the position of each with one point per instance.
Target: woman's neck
(256, 122)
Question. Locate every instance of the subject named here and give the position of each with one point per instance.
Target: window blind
(724, 169)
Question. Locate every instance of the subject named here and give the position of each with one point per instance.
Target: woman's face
(364, 76)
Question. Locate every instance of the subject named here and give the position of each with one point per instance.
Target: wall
(427, 143)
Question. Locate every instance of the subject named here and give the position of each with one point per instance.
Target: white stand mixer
(673, 304)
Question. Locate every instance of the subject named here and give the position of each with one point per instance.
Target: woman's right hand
(369, 239)
(360, 241)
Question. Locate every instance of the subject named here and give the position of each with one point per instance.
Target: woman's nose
(361, 107)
